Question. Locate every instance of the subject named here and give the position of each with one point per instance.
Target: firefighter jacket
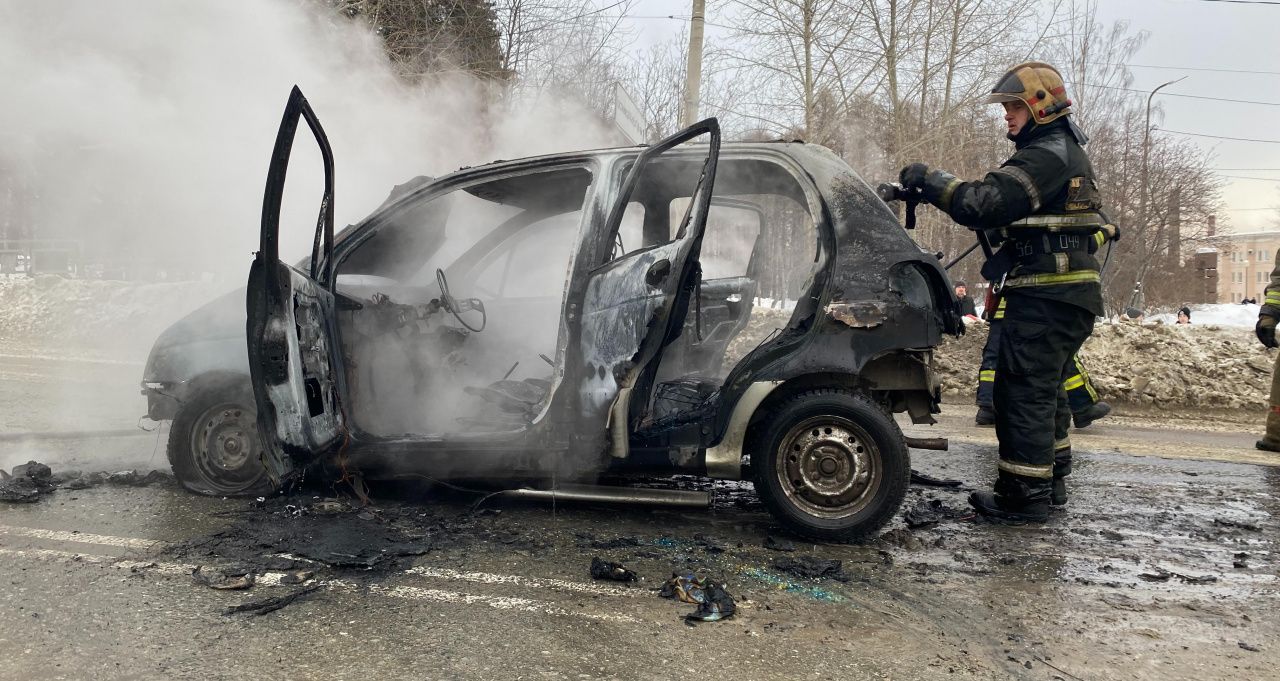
(1271, 302)
(1043, 209)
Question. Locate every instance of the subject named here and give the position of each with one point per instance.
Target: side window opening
(505, 241)
(758, 256)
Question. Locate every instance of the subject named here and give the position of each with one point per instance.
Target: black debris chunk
(1249, 647)
(1111, 535)
(1163, 575)
(918, 478)
(1223, 522)
(26, 483)
(223, 581)
(928, 512)
(707, 543)
(603, 569)
(809, 567)
(716, 605)
(265, 605)
(778, 544)
(1240, 560)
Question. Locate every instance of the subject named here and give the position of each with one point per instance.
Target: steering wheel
(457, 307)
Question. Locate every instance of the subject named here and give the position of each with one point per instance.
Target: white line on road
(532, 582)
(422, 571)
(402, 592)
(64, 358)
(79, 537)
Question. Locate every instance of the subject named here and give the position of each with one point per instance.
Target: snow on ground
(1218, 314)
(93, 317)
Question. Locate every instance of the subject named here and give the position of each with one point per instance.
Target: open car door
(294, 356)
(635, 305)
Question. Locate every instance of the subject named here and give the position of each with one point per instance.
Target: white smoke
(144, 128)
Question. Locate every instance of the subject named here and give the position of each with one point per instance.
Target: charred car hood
(209, 339)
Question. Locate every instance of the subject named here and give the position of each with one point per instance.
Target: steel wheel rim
(225, 447)
(829, 467)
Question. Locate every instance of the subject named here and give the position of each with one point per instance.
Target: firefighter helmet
(1037, 85)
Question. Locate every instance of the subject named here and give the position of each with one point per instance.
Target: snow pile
(1218, 314)
(108, 316)
(1155, 364)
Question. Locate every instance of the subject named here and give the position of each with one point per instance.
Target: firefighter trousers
(1273, 409)
(1075, 378)
(1038, 339)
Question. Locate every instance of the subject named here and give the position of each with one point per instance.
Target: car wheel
(831, 464)
(214, 447)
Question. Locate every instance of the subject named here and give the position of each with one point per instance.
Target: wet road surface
(1161, 568)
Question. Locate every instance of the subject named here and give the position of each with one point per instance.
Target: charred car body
(617, 325)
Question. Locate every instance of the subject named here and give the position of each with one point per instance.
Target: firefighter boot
(1061, 469)
(1090, 414)
(985, 417)
(1016, 498)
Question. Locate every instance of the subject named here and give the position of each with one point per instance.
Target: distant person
(965, 305)
(1266, 332)
(1184, 315)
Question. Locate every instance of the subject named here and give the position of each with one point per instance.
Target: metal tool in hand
(892, 191)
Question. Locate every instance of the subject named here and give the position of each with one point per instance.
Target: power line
(1191, 68)
(1175, 94)
(1247, 2)
(1260, 179)
(1251, 170)
(1220, 137)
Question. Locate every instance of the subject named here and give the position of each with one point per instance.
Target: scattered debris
(1237, 524)
(918, 478)
(928, 512)
(1238, 560)
(714, 603)
(1249, 647)
(27, 482)
(603, 569)
(223, 581)
(263, 606)
(1163, 575)
(777, 544)
(810, 567)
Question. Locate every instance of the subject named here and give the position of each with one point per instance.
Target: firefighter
(1043, 207)
(1266, 330)
(1081, 396)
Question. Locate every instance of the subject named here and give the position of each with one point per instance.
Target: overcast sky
(1190, 34)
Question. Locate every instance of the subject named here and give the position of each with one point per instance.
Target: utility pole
(693, 71)
(1144, 197)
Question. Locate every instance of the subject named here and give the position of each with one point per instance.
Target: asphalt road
(1163, 567)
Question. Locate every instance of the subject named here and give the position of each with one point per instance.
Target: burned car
(731, 311)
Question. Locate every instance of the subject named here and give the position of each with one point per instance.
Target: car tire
(214, 447)
(831, 465)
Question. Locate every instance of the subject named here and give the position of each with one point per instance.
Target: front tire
(831, 464)
(214, 447)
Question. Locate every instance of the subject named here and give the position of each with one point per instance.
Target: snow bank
(1219, 314)
(104, 317)
(1201, 365)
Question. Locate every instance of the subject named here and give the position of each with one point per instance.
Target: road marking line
(80, 537)
(65, 358)
(412, 593)
(532, 582)
(422, 571)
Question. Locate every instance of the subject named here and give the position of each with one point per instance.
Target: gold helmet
(1037, 85)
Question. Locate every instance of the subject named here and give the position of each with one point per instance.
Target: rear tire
(214, 447)
(831, 464)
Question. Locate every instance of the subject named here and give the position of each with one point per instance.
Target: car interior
(452, 302)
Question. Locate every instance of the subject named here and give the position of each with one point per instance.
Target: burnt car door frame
(295, 357)
(630, 307)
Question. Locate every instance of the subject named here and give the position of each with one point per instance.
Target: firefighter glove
(912, 176)
(1112, 231)
(1266, 330)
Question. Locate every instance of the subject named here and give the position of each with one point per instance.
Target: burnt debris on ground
(31, 480)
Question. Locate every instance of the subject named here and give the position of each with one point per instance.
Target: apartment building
(1244, 264)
